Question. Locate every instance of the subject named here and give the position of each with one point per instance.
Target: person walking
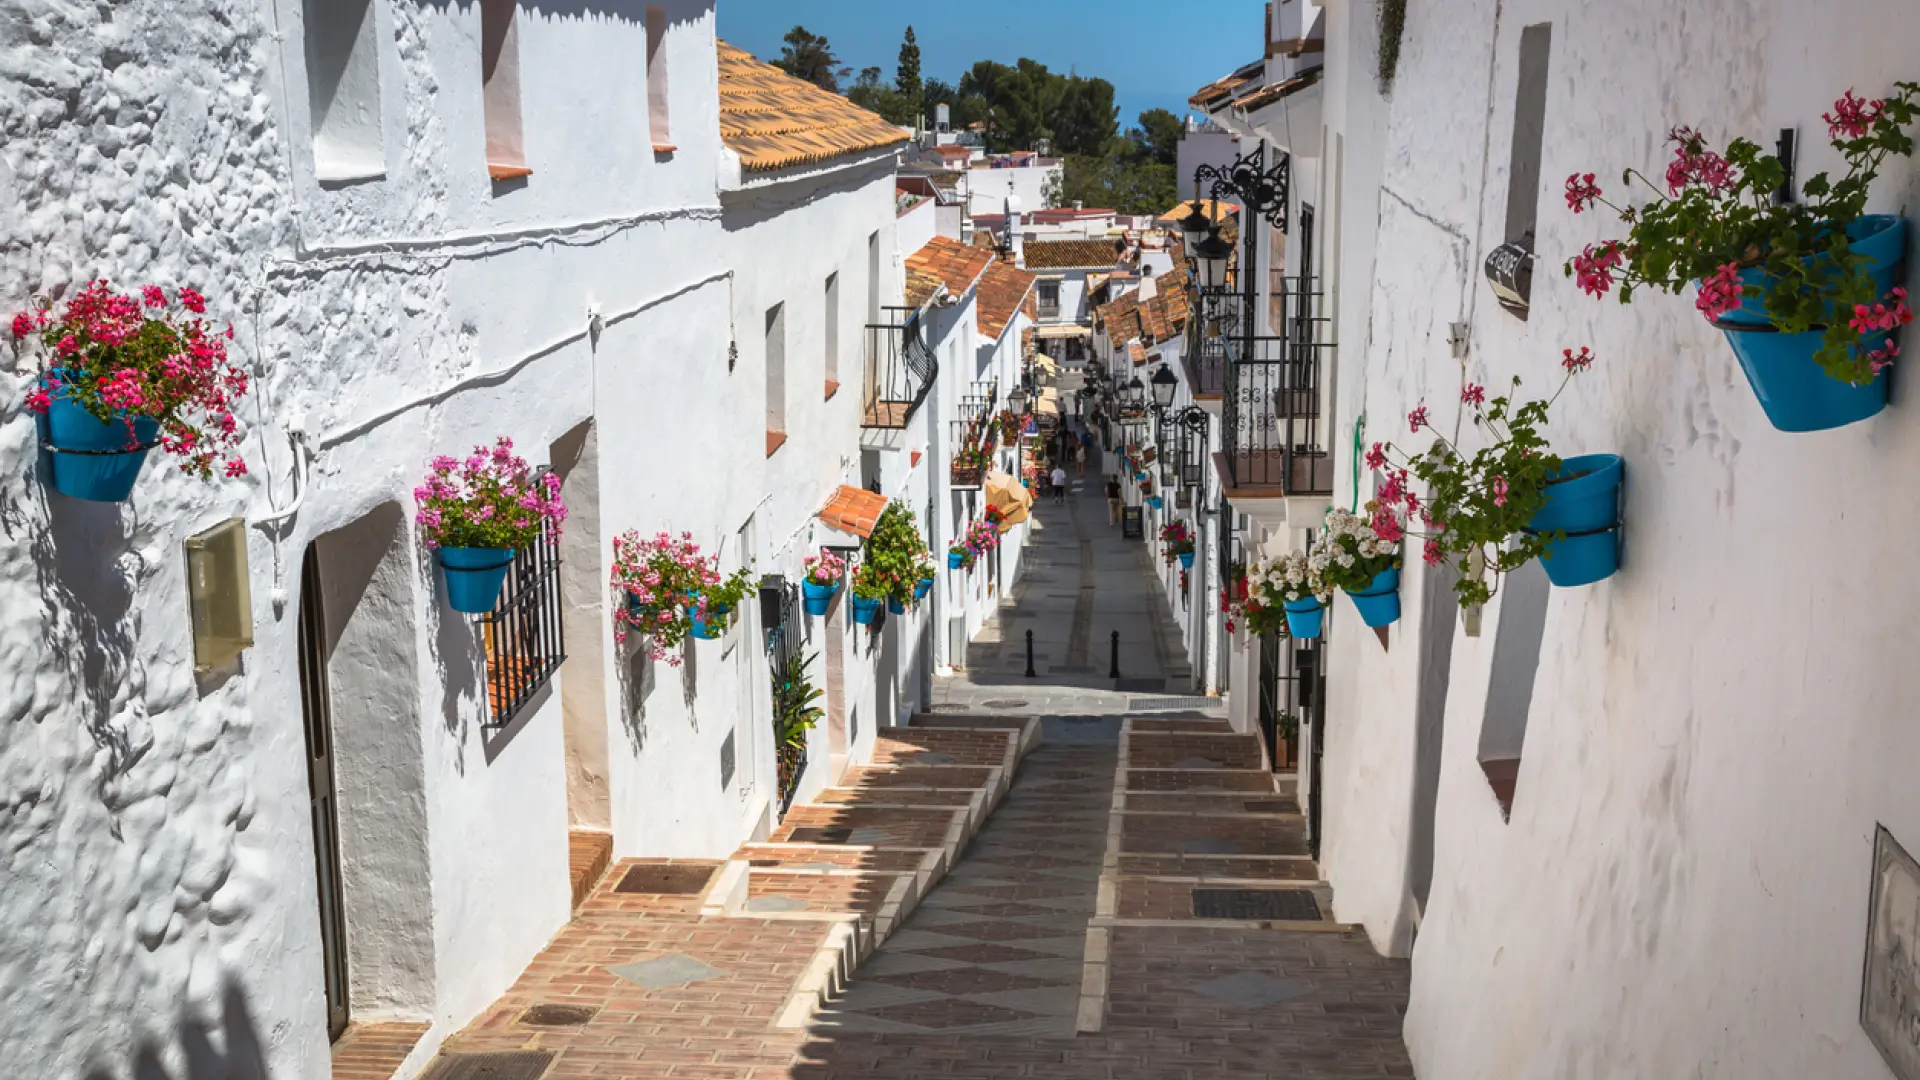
(1059, 482)
(1084, 451)
(1113, 500)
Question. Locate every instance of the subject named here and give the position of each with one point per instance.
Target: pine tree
(906, 79)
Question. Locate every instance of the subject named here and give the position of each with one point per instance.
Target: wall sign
(1890, 986)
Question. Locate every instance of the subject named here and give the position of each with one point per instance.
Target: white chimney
(1078, 205)
(1016, 243)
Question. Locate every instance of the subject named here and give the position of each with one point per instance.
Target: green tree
(808, 56)
(1117, 182)
(906, 79)
(1087, 118)
(1158, 136)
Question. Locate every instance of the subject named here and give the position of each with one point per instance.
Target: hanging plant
(1178, 537)
(1362, 564)
(712, 610)
(895, 552)
(120, 375)
(1792, 282)
(658, 577)
(1507, 502)
(822, 581)
(1290, 590)
(474, 514)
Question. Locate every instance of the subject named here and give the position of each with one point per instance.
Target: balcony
(1215, 343)
(1276, 402)
(900, 372)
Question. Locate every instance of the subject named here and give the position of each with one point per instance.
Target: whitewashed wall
(987, 188)
(1715, 732)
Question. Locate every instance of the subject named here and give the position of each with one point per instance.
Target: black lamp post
(1210, 257)
(1165, 383)
(1195, 226)
(1018, 403)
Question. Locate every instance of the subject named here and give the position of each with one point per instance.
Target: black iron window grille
(786, 664)
(1275, 427)
(900, 370)
(522, 636)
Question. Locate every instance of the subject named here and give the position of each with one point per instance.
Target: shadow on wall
(88, 595)
(229, 1049)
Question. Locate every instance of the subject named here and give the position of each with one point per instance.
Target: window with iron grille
(521, 636)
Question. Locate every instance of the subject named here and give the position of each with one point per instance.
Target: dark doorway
(315, 705)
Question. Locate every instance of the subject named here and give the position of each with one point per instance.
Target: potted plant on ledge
(122, 375)
(475, 514)
(1509, 502)
(822, 581)
(1808, 292)
(1361, 562)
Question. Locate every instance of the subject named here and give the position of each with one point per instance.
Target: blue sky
(1144, 49)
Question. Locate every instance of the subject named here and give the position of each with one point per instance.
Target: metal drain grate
(548, 1014)
(1291, 904)
(1146, 704)
(820, 836)
(505, 1065)
(665, 880)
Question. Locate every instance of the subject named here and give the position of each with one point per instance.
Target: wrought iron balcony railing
(1215, 341)
(900, 371)
(1276, 408)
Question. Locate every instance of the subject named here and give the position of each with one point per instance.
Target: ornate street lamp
(1196, 225)
(1134, 394)
(1165, 382)
(1210, 256)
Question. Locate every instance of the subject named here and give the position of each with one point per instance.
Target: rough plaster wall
(1711, 742)
(585, 614)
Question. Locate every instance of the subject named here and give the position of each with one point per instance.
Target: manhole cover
(1293, 904)
(665, 880)
(505, 1065)
(820, 836)
(1004, 703)
(547, 1014)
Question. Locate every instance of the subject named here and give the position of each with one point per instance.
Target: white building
(1202, 142)
(1036, 181)
(1626, 829)
(426, 237)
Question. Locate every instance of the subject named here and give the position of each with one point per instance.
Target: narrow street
(1043, 877)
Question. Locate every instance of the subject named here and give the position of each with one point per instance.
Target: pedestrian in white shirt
(1059, 484)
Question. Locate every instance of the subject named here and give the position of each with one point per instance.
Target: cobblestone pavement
(1098, 883)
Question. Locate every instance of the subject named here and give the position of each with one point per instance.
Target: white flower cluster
(1345, 524)
(1293, 576)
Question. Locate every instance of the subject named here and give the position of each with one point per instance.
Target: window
(343, 89)
(1529, 124)
(833, 333)
(522, 634)
(776, 353)
(1049, 299)
(659, 117)
(1516, 660)
(500, 88)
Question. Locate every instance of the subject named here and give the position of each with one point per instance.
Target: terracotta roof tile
(1004, 289)
(774, 121)
(1220, 88)
(1216, 211)
(854, 510)
(1266, 96)
(944, 261)
(1071, 255)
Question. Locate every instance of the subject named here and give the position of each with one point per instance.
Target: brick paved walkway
(1130, 901)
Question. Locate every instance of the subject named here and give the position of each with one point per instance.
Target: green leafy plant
(725, 596)
(1478, 506)
(894, 553)
(1715, 222)
(794, 714)
(871, 583)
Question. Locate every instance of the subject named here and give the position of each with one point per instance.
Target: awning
(1067, 330)
(1048, 404)
(853, 511)
(1046, 364)
(1009, 496)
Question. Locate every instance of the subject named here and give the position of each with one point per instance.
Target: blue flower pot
(1304, 617)
(1186, 560)
(896, 606)
(865, 611)
(1587, 509)
(1153, 501)
(1795, 393)
(90, 457)
(955, 560)
(709, 629)
(817, 599)
(474, 576)
(922, 587)
(1379, 603)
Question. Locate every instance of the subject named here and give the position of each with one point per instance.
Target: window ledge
(664, 148)
(507, 172)
(775, 440)
(832, 389)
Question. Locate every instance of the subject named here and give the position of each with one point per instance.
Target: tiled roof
(774, 121)
(1120, 319)
(1071, 255)
(1220, 88)
(1266, 96)
(854, 510)
(1137, 353)
(1215, 210)
(1003, 289)
(943, 261)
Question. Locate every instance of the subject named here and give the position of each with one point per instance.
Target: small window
(522, 636)
(776, 353)
(343, 89)
(833, 333)
(1049, 299)
(659, 116)
(500, 82)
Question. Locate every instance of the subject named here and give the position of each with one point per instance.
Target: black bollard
(1030, 654)
(1113, 669)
